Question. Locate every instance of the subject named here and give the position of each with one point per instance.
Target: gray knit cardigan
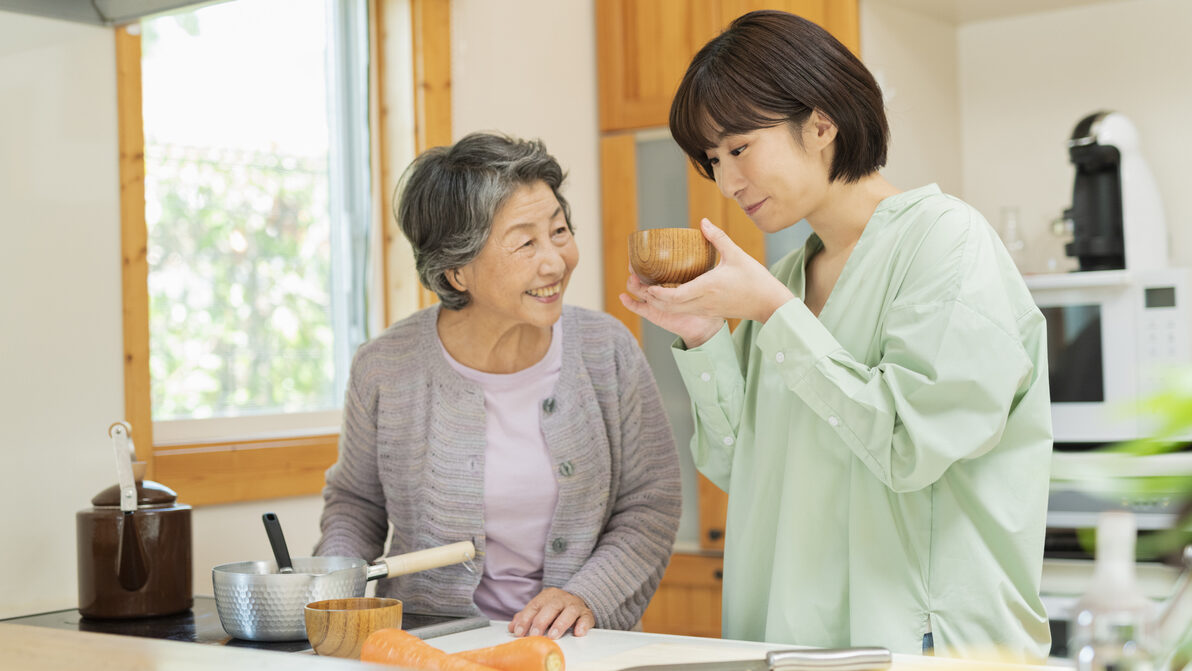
(411, 455)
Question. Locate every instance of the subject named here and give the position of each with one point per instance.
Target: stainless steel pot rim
(303, 566)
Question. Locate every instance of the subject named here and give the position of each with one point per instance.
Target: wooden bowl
(338, 627)
(670, 256)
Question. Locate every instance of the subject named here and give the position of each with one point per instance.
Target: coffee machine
(1116, 214)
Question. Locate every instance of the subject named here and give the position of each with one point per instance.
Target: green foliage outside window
(239, 256)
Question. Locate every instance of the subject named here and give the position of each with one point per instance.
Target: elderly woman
(502, 416)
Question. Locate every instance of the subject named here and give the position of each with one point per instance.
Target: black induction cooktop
(201, 624)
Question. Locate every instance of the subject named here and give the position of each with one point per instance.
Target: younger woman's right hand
(695, 330)
(739, 287)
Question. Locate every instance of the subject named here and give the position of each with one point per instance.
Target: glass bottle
(1116, 625)
(1012, 237)
(1061, 234)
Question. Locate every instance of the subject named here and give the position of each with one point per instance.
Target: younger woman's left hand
(552, 613)
(737, 288)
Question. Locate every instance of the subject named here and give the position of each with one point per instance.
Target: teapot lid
(149, 493)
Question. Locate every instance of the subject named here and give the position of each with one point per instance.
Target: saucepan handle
(422, 560)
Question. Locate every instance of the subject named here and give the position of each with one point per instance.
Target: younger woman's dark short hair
(771, 67)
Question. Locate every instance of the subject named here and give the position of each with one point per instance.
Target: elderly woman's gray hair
(449, 196)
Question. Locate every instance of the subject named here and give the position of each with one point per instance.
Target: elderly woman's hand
(552, 613)
(738, 287)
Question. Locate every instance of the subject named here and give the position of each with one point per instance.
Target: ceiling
(970, 11)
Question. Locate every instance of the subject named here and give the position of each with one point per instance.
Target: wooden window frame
(245, 470)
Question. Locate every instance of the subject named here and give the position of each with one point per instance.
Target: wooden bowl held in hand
(670, 256)
(339, 627)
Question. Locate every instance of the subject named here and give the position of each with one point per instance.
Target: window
(257, 193)
(253, 200)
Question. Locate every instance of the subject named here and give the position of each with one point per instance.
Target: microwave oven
(1111, 336)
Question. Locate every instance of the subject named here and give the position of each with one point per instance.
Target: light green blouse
(887, 463)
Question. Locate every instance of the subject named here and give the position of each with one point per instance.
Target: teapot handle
(131, 567)
(121, 434)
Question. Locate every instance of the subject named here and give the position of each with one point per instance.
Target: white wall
(1016, 87)
(529, 69)
(985, 107)
(61, 346)
(913, 58)
(1027, 81)
(61, 382)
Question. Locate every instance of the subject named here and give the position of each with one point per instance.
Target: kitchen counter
(31, 648)
(608, 650)
(47, 649)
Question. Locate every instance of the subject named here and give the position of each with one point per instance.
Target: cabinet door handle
(715, 534)
(718, 574)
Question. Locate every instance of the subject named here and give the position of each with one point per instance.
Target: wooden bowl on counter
(670, 256)
(339, 627)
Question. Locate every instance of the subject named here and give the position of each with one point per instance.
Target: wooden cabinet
(643, 49)
(688, 600)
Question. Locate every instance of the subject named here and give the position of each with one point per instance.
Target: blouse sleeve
(716, 384)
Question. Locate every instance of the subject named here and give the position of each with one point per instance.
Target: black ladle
(278, 540)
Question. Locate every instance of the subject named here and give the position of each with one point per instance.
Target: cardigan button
(548, 406)
(558, 544)
(566, 468)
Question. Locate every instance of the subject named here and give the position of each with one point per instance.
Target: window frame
(227, 471)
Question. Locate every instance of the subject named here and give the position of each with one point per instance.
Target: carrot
(401, 648)
(532, 653)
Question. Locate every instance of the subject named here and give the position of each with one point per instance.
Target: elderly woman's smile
(548, 292)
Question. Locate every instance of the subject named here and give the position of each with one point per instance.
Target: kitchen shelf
(1078, 280)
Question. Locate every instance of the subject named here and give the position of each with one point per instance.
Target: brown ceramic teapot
(134, 546)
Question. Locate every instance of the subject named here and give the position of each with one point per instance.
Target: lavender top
(520, 491)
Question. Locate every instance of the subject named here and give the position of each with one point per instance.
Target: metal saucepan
(258, 602)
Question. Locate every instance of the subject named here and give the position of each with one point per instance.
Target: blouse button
(558, 544)
(705, 376)
(833, 421)
(780, 357)
(728, 440)
(548, 406)
(566, 468)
